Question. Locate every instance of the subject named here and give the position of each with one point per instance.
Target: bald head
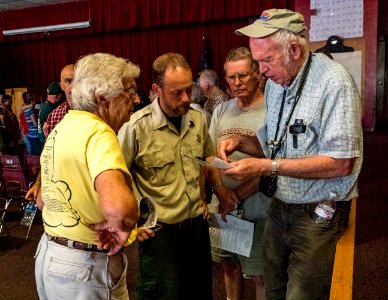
(67, 75)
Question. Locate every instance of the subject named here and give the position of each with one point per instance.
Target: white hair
(100, 74)
(284, 38)
(209, 76)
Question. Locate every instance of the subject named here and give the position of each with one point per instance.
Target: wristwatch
(274, 169)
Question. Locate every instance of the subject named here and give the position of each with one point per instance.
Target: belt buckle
(70, 244)
(91, 248)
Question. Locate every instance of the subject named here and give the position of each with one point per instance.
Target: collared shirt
(45, 109)
(152, 150)
(330, 107)
(56, 116)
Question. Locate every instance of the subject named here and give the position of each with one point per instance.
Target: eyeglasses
(131, 93)
(243, 77)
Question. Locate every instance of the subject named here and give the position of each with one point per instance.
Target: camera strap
(277, 143)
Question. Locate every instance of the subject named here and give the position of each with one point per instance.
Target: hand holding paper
(216, 163)
(219, 164)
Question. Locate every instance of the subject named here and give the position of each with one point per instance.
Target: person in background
(67, 75)
(10, 125)
(197, 101)
(208, 81)
(159, 143)
(315, 147)
(24, 129)
(88, 208)
(33, 141)
(54, 99)
(242, 115)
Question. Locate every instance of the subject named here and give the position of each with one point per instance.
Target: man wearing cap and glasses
(314, 147)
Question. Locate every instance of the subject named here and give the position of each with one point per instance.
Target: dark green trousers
(176, 264)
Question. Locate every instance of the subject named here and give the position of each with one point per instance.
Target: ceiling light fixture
(47, 28)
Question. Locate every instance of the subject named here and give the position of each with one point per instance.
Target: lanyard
(276, 144)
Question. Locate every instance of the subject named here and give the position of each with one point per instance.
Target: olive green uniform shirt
(152, 149)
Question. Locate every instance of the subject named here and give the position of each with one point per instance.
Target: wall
(140, 31)
(368, 45)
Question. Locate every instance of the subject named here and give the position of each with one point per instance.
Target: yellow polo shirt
(79, 148)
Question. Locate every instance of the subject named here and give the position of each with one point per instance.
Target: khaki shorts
(252, 265)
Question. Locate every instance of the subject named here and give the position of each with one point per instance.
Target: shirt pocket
(159, 167)
(190, 166)
(197, 151)
(303, 142)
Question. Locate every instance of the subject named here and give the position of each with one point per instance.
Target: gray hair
(241, 53)
(197, 95)
(209, 76)
(284, 38)
(100, 74)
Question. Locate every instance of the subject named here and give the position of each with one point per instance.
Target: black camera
(298, 127)
(268, 185)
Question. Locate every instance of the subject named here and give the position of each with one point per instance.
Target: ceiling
(20, 4)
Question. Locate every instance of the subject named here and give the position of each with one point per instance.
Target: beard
(181, 110)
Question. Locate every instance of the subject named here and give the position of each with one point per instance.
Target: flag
(203, 55)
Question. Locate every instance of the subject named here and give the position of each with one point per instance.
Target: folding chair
(3, 210)
(32, 167)
(15, 188)
(10, 161)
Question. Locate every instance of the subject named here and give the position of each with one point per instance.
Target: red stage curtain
(139, 30)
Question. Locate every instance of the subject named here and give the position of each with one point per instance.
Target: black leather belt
(188, 223)
(284, 206)
(75, 244)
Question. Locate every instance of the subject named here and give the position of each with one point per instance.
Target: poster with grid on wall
(343, 18)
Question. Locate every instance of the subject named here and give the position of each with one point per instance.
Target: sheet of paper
(262, 136)
(219, 164)
(216, 163)
(235, 235)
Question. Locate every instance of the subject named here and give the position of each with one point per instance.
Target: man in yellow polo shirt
(87, 206)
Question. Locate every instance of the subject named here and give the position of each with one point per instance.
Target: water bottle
(29, 214)
(325, 209)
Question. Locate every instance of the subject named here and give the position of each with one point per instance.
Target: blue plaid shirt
(330, 107)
